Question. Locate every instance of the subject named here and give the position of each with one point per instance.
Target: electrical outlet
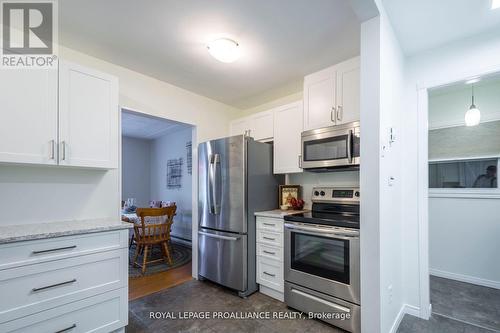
(389, 293)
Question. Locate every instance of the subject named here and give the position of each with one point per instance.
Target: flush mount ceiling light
(224, 49)
(473, 115)
(495, 4)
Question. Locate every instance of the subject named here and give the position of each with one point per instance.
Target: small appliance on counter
(331, 148)
(235, 180)
(322, 257)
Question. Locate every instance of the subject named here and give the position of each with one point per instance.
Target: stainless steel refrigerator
(235, 180)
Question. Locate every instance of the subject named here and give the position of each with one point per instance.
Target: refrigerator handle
(214, 161)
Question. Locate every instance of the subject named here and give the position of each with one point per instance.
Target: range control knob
(316, 193)
(322, 193)
(356, 194)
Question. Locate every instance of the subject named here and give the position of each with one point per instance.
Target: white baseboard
(405, 309)
(465, 278)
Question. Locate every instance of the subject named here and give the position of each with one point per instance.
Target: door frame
(194, 181)
(422, 90)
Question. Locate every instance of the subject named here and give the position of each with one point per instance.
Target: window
(476, 173)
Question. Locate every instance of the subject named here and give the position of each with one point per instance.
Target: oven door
(335, 146)
(323, 258)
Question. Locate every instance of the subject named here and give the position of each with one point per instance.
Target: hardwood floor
(143, 286)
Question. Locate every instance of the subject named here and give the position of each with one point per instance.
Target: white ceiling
(144, 127)
(424, 24)
(281, 41)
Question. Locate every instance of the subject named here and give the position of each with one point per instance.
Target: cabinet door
(348, 91)
(88, 117)
(287, 129)
(319, 99)
(28, 116)
(262, 126)
(239, 126)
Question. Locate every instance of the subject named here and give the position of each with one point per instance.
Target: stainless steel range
(322, 258)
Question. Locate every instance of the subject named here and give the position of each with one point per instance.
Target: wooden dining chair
(151, 232)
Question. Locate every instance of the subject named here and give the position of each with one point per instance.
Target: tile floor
(458, 307)
(205, 296)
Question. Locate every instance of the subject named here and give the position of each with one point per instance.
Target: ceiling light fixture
(472, 81)
(495, 4)
(473, 115)
(224, 49)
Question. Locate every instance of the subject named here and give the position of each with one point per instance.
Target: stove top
(332, 206)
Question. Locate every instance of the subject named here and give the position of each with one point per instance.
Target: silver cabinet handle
(333, 114)
(320, 300)
(218, 236)
(270, 224)
(52, 149)
(53, 285)
(55, 249)
(340, 112)
(66, 329)
(268, 252)
(268, 238)
(63, 145)
(273, 275)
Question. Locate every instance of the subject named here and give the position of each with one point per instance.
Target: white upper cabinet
(348, 91)
(89, 117)
(68, 116)
(258, 126)
(28, 116)
(319, 99)
(287, 129)
(331, 96)
(262, 126)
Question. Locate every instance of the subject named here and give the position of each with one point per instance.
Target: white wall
(136, 169)
(463, 239)
(173, 146)
(446, 64)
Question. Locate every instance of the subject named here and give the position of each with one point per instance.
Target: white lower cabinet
(270, 256)
(74, 283)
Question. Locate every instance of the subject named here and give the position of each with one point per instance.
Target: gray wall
(136, 170)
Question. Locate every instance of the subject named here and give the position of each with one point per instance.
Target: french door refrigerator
(235, 180)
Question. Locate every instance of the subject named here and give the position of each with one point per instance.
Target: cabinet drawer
(271, 252)
(270, 273)
(29, 289)
(100, 314)
(270, 237)
(270, 224)
(37, 251)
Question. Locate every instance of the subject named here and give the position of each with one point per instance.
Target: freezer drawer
(222, 258)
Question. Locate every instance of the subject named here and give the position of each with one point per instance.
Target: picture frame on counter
(287, 192)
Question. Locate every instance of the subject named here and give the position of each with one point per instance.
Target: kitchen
(291, 108)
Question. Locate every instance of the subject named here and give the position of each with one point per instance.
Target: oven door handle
(322, 232)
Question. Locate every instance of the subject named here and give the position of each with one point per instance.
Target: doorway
(460, 200)
(157, 171)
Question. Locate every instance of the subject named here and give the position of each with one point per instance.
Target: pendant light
(473, 115)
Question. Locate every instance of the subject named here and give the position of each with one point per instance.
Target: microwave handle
(349, 147)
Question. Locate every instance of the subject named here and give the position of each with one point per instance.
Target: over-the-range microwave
(331, 148)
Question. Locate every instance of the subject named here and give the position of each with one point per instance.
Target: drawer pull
(272, 275)
(270, 224)
(268, 252)
(269, 238)
(66, 329)
(53, 285)
(53, 250)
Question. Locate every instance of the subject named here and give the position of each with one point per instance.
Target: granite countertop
(278, 213)
(25, 232)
